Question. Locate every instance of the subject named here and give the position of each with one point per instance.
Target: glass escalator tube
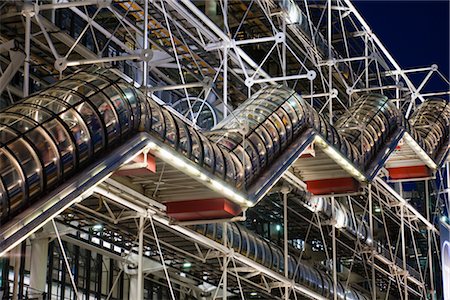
(261, 128)
(368, 124)
(49, 135)
(271, 256)
(430, 126)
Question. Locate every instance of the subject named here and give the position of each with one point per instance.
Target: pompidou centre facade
(222, 149)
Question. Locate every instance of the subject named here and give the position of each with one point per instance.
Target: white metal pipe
(436, 94)
(47, 36)
(372, 250)
(140, 274)
(285, 242)
(232, 43)
(102, 60)
(176, 86)
(411, 209)
(211, 25)
(330, 80)
(166, 272)
(26, 65)
(375, 88)
(429, 240)
(381, 46)
(145, 61)
(63, 251)
(281, 78)
(71, 4)
(225, 82)
(333, 236)
(102, 30)
(242, 259)
(404, 257)
(225, 262)
(104, 192)
(17, 254)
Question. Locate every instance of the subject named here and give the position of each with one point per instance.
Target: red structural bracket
(409, 172)
(204, 209)
(333, 186)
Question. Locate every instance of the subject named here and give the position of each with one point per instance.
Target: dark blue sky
(415, 32)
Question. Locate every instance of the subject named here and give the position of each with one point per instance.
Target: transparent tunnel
(271, 256)
(373, 124)
(429, 125)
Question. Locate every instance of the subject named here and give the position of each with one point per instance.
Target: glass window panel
(107, 113)
(35, 113)
(47, 152)
(64, 143)
(11, 178)
(65, 95)
(94, 124)
(122, 106)
(29, 163)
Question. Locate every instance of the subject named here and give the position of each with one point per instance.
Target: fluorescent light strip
(419, 151)
(189, 168)
(339, 159)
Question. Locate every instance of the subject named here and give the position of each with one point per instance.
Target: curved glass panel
(368, 124)
(430, 126)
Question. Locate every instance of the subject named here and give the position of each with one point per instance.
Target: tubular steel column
(333, 232)
(140, 275)
(330, 67)
(26, 66)
(429, 239)
(225, 261)
(404, 257)
(225, 81)
(285, 242)
(145, 60)
(372, 250)
(17, 251)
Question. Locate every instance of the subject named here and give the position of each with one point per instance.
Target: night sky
(415, 32)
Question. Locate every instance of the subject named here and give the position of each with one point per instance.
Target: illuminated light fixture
(97, 227)
(377, 209)
(339, 159)
(188, 167)
(278, 227)
(419, 151)
(253, 294)
(187, 265)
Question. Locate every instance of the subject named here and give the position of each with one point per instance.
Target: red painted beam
(333, 186)
(203, 209)
(409, 172)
